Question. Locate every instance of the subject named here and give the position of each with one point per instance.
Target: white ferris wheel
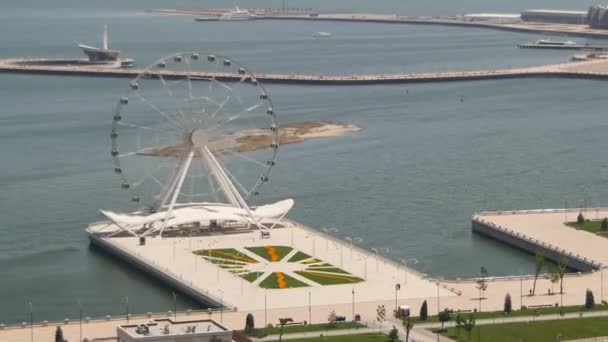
(193, 141)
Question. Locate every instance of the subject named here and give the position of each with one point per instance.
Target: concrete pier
(513, 25)
(544, 230)
(593, 69)
(172, 261)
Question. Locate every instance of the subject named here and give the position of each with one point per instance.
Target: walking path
(593, 69)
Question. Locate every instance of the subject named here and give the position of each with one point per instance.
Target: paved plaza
(548, 227)
(376, 276)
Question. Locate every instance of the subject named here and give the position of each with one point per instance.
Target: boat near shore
(561, 45)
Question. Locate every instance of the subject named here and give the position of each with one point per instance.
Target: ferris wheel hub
(199, 137)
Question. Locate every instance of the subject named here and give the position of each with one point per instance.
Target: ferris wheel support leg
(176, 190)
(227, 187)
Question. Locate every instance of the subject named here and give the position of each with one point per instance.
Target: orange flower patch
(281, 280)
(272, 253)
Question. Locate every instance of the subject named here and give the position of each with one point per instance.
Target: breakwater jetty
(513, 25)
(595, 69)
(545, 230)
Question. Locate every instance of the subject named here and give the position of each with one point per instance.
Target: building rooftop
(166, 327)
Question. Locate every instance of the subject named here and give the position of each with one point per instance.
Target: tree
(604, 225)
(394, 334)
(554, 278)
(482, 284)
(444, 316)
(459, 323)
(249, 323)
(589, 299)
(580, 219)
(380, 314)
(468, 325)
(283, 322)
(59, 335)
(332, 317)
(507, 307)
(408, 325)
(538, 267)
(424, 311)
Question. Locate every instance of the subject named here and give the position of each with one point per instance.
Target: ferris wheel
(195, 131)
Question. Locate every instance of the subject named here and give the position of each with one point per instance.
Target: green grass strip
(329, 279)
(569, 329)
(262, 251)
(328, 269)
(301, 328)
(226, 253)
(252, 276)
(299, 256)
(373, 337)
(271, 282)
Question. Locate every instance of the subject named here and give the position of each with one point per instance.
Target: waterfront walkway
(594, 69)
(545, 230)
(515, 25)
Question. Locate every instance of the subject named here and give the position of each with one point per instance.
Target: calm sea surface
(409, 181)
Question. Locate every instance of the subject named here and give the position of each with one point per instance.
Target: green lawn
(298, 328)
(262, 251)
(329, 279)
(590, 226)
(541, 331)
(251, 276)
(299, 257)
(327, 269)
(347, 338)
(225, 253)
(272, 282)
(519, 313)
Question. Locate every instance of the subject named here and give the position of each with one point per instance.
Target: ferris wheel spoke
(234, 180)
(167, 87)
(122, 123)
(175, 123)
(242, 156)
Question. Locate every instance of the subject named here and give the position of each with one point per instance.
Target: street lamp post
(309, 307)
(221, 306)
(438, 304)
(350, 239)
(376, 251)
(127, 308)
(353, 304)
(31, 321)
(397, 288)
(80, 318)
(265, 310)
(174, 306)
(404, 263)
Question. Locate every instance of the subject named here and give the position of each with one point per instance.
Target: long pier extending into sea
(594, 69)
(514, 25)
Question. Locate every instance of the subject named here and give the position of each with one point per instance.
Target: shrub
(444, 316)
(604, 225)
(507, 307)
(424, 311)
(394, 334)
(580, 219)
(589, 299)
(59, 335)
(249, 323)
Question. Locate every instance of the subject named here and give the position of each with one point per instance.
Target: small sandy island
(258, 139)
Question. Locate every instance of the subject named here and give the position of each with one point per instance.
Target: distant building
(165, 330)
(555, 16)
(597, 17)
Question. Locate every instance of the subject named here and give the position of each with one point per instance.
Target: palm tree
(538, 266)
(561, 272)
